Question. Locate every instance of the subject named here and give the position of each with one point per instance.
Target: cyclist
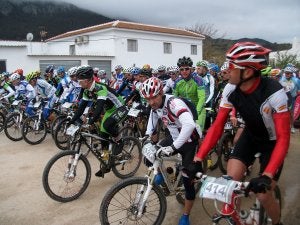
(173, 73)
(49, 76)
(221, 85)
(180, 121)
(64, 82)
(289, 83)
(262, 103)
(44, 90)
(119, 77)
(5, 88)
(73, 92)
(162, 75)
(96, 78)
(102, 77)
(23, 91)
(191, 87)
(103, 97)
(21, 73)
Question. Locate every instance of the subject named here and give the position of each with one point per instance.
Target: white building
(295, 50)
(104, 46)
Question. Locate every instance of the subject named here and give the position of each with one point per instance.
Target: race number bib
(133, 112)
(72, 130)
(218, 188)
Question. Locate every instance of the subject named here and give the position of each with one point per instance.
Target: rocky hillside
(17, 18)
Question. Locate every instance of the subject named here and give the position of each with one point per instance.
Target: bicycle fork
(72, 164)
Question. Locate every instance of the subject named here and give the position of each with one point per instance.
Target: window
(193, 49)
(167, 48)
(2, 66)
(72, 50)
(132, 45)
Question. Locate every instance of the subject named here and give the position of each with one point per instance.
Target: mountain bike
(139, 200)
(67, 174)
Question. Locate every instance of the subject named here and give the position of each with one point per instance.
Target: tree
(283, 58)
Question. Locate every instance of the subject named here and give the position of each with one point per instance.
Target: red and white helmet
(248, 54)
(151, 87)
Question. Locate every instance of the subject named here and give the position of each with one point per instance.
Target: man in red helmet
(20, 72)
(262, 103)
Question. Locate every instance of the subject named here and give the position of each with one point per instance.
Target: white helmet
(118, 67)
(161, 68)
(225, 66)
(14, 77)
(101, 72)
(151, 87)
(72, 71)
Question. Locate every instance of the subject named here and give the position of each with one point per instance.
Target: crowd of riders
(197, 85)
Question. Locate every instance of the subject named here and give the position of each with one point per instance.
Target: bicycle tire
(60, 179)
(224, 148)
(130, 187)
(28, 127)
(134, 159)
(55, 123)
(2, 121)
(61, 140)
(10, 123)
(263, 217)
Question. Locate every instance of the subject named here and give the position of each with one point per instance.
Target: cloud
(272, 20)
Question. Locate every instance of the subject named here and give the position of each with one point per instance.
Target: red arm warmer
(282, 128)
(214, 133)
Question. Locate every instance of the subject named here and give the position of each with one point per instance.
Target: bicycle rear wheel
(263, 217)
(121, 202)
(55, 123)
(59, 183)
(2, 120)
(129, 160)
(224, 148)
(60, 138)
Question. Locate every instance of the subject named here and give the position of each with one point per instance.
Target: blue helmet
(61, 69)
(49, 69)
(214, 67)
(135, 71)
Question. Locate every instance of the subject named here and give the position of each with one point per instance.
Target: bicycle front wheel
(33, 131)
(13, 127)
(61, 182)
(61, 139)
(129, 160)
(263, 217)
(2, 120)
(120, 204)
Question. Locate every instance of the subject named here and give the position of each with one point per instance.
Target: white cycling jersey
(169, 85)
(25, 89)
(44, 89)
(177, 117)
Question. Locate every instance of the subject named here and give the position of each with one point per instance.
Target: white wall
(150, 49)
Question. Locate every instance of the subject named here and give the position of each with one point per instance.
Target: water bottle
(253, 217)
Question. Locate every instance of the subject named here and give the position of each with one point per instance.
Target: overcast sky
(272, 20)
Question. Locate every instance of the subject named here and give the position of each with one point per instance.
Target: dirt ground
(24, 202)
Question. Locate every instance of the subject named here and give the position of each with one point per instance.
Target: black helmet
(49, 69)
(146, 72)
(84, 72)
(185, 61)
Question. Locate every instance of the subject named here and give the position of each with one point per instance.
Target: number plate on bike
(149, 152)
(72, 130)
(16, 102)
(67, 105)
(218, 188)
(133, 112)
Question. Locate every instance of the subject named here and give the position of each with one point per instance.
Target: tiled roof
(128, 25)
